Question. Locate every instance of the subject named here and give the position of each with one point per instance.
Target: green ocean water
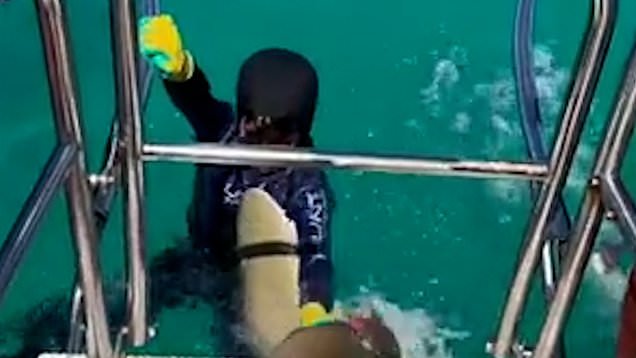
(435, 255)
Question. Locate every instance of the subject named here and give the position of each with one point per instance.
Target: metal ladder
(605, 195)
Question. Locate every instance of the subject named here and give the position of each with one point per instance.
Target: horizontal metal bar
(207, 153)
(23, 230)
(617, 199)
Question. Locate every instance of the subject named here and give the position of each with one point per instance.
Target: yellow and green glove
(313, 314)
(160, 42)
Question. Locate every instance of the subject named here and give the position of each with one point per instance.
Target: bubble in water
(445, 76)
(446, 73)
(550, 80)
(410, 61)
(413, 123)
(500, 94)
(461, 124)
(502, 125)
(459, 55)
(505, 218)
(508, 190)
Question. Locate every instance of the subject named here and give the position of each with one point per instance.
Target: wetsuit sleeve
(209, 117)
(311, 211)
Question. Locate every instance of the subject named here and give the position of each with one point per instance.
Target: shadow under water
(179, 276)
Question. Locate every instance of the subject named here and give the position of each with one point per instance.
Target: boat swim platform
(89, 195)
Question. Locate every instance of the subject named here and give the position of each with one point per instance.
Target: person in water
(276, 99)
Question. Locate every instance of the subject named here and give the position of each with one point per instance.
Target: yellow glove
(160, 43)
(314, 314)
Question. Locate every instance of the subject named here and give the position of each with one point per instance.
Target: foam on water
(490, 107)
(445, 76)
(419, 335)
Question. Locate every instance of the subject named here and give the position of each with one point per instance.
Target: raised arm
(186, 84)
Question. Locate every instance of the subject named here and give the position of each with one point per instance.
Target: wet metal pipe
(104, 193)
(531, 123)
(608, 160)
(259, 156)
(616, 198)
(124, 35)
(23, 231)
(593, 54)
(57, 53)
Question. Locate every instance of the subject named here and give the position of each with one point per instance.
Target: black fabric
(279, 84)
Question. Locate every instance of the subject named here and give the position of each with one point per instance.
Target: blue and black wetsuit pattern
(303, 192)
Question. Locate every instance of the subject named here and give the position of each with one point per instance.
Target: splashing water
(418, 334)
(491, 109)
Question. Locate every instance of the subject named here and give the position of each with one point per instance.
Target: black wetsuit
(303, 192)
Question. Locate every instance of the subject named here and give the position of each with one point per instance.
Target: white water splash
(462, 123)
(550, 80)
(418, 334)
(608, 277)
(445, 77)
(500, 131)
(612, 282)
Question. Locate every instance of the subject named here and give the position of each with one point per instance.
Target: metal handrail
(590, 63)
(107, 182)
(531, 124)
(28, 221)
(608, 158)
(123, 26)
(61, 79)
(251, 155)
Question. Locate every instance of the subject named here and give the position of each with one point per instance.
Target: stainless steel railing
(124, 25)
(590, 63)
(64, 100)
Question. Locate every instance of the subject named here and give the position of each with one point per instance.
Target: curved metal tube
(591, 59)
(531, 123)
(608, 159)
(616, 198)
(529, 107)
(23, 230)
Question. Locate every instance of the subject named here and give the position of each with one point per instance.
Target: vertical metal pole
(51, 17)
(104, 193)
(609, 156)
(600, 31)
(123, 27)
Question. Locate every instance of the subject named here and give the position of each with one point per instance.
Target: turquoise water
(435, 255)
